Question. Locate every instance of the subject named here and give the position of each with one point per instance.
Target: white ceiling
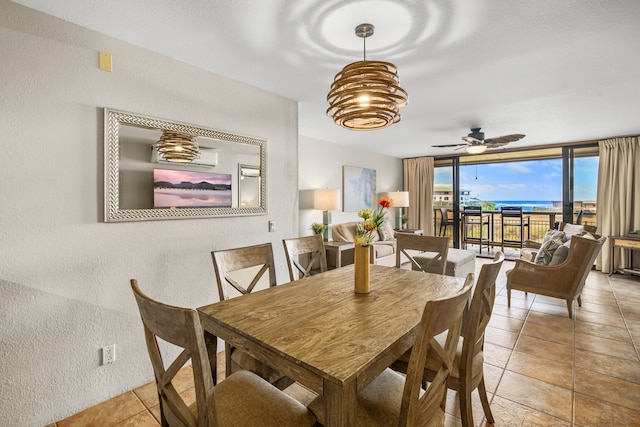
(555, 70)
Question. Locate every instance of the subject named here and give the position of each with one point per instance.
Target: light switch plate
(106, 61)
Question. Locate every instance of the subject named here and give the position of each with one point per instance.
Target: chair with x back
(409, 245)
(305, 256)
(392, 399)
(467, 372)
(239, 271)
(243, 398)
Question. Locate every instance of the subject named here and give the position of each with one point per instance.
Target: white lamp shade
(476, 149)
(400, 198)
(326, 199)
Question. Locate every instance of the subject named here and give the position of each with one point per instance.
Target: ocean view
(527, 205)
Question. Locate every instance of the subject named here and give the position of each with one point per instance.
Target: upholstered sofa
(383, 252)
(460, 262)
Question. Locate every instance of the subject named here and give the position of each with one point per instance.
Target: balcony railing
(539, 223)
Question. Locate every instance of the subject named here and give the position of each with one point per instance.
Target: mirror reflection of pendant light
(366, 95)
(177, 147)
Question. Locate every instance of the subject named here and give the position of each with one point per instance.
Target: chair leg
(579, 301)
(466, 412)
(508, 297)
(227, 359)
(211, 342)
(570, 307)
(485, 401)
(163, 418)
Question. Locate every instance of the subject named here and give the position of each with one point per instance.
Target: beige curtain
(418, 181)
(618, 204)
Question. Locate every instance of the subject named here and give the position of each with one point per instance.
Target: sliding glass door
(551, 185)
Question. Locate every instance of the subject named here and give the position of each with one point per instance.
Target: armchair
(565, 280)
(530, 247)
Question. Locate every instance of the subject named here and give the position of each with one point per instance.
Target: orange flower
(385, 202)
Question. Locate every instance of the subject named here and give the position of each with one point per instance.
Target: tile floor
(541, 368)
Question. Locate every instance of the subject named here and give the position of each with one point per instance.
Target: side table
(411, 231)
(632, 245)
(334, 251)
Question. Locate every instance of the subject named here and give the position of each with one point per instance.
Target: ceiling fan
(476, 143)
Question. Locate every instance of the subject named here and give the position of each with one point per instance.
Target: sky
(178, 176)
(526, 180)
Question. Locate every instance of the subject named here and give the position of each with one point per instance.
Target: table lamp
(400, 200)
(326, 200)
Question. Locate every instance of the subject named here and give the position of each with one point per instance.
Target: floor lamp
(400, 200)
(326, 200)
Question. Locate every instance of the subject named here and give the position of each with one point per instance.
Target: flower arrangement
(318, 228)
(372, 219)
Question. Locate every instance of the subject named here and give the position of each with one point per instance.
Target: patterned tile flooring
(541, 368)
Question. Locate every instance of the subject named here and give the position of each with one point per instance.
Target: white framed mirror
(227, 179)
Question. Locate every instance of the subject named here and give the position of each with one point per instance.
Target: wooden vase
(361, 269)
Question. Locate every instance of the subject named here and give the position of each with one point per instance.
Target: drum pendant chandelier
(177, 147)
(366, 95)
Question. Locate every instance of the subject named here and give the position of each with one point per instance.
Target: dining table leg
(340, 403)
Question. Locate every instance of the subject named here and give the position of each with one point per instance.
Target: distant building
(443, 195)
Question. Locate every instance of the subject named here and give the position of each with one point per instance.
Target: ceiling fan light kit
(476, 149)
(366, 95)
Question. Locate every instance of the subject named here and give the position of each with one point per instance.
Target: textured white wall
(64, 274)
(320, 166)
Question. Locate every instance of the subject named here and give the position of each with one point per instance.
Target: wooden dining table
(319, 332)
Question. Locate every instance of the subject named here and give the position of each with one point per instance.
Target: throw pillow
(560, 255)
(386, 231)
(554, 234)
(546, 251)
(572, 229)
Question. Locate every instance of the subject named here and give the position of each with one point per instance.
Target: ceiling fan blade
(472, 140)
(447, 145)
(503, 140)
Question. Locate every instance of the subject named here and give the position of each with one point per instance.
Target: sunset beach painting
(188, 189)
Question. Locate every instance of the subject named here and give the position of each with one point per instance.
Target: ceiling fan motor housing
(475, 133)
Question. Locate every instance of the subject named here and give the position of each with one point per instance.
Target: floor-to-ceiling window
(551, 185)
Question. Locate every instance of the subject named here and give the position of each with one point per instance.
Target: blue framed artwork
(358, 188)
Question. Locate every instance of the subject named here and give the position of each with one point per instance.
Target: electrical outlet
(108, 354)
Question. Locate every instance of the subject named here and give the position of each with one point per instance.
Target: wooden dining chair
(393, 399)
(305, 256)
(409, 245)
(240, 270)
(467, 373)
(243, 398)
